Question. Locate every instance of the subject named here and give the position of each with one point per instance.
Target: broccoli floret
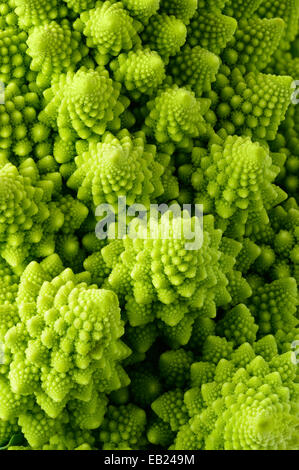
(149, 225)
(109, 29)
(164, 34)
(54, 48)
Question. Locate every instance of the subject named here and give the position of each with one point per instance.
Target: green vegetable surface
(143, 339)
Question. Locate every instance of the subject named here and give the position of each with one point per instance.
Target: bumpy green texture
(279, 243)
(149, 225)
(159, 433)
(241, 8)
(252, 104)
(182, 9)
(7, 14)
(145, 386)
(254, 43)
(31, 214)
(247, 401)
(79, 5)
(44, 433)
(7, 429)
(37, 12)
(110, 29)
(28, 221)
(14, 62)
(211, 30)
(287, 142)
(170, 408)
(84, 104)
(194, 68)
(175, 116)
(122, 427)
(64, 354)
(240, 189)
(165, 34)
(178, 279)
(238, 326)
(141, 72)
(54, 49)
(288, 10)
(174, 367)
(121, 165)
(274, 305)
(142, 10)
(8, 287)
(18, 113)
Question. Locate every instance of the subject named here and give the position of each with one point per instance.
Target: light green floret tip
(175, 115)
(238, 326)
(182, 9)
(74, 213)
(165, 34)
(82, 104)
(121, 165)
(140, 339)
(239, 174)
(90, 103)
(247, 256)
(97, 267)
(44, 433)
(64, 151)
(38, 12)
(54, 48)
(194, 68)
(254, 43)
(169, 275)
(110, 29)
(211, 30)
(142, 10)
(141, 71)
